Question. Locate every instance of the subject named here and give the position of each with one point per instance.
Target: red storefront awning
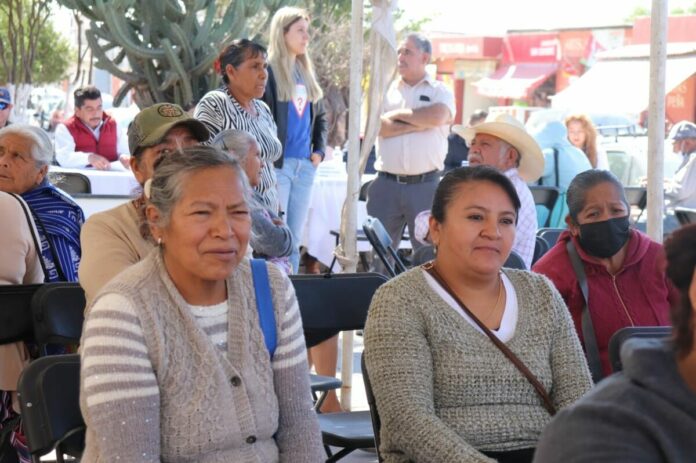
(515, 81)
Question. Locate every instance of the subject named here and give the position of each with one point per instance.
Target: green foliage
(53, 54)
(165, 49)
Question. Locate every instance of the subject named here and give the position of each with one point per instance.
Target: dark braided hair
(680, 249)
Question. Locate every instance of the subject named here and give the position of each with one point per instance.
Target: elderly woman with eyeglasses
(176, 362)
(25, 154)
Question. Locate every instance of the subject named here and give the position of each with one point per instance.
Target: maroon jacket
(85, 141)
(640, 290)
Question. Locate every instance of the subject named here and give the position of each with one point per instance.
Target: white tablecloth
(328, 195)
(106, 182)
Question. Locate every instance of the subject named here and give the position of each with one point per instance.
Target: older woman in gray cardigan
(174, 363)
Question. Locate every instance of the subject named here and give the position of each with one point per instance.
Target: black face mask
(604, 239)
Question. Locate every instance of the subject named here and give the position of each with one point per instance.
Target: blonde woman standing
(293, 94)
(583, 134)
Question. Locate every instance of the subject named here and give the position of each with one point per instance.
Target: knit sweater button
(236, 381)
(251, 439)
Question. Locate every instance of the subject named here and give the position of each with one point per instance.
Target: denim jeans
(295, 180)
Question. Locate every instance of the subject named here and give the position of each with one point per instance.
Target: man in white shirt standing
(91, 138)
(412, 141)
(682, 191)
(503, 142)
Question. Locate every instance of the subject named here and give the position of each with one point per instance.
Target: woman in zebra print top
(237, 106)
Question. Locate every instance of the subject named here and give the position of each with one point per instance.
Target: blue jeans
(295, 180)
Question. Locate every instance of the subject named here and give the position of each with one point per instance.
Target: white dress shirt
(683, 191)
(65, 147)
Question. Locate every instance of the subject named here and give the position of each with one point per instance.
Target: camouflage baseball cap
(152, 124)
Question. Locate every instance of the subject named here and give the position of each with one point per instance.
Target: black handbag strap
(519, 364)
(37, 242)
(588, 333)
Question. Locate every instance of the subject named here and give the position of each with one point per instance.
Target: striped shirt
(525, 236)
(219, 111)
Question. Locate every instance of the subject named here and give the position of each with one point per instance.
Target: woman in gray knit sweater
(444, 391)
(175, 367)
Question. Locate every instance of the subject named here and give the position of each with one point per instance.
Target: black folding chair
(422, 255)
(374, 414)
(545, 196)
(617, 340)
(49, 391)
(339, 302)
(71, 182)
(15, 313)
(637, 196)
(541, 247)
(382, 244)
(58, 312)
(685, 216)
(515, 261)
(550, 235)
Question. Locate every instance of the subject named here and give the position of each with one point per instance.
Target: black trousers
(513, 456)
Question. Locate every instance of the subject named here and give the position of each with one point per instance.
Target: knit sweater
(445, 392)
(645, 414)
(154, 388)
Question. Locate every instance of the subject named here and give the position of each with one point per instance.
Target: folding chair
(71, 182)
(58, 312)
(423, 255)
(685, 216)
(15, 313)
(382, 244)
(540, 248)
(545, 196)
(637, 196)
(49, 391)
(339, 302)
(376, 423)
(617, 340)
(550, 235)
(515, 261)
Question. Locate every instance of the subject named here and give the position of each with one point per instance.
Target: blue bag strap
(264, 304)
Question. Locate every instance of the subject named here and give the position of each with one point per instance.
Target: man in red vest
(90, 138)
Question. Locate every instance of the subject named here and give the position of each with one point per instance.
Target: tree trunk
(20, 100)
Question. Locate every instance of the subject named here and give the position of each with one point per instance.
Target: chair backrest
(338, 301)
(382, 244)
(423, 255)
(550, 235)
(58, 311)
(684, 215)
(71, 182)
(49, 392)
(15, 313)
(515, 261)
(374, 414)
(618, 338)
(637, 196)
(541, 246)
(362, 196)
(545, 196)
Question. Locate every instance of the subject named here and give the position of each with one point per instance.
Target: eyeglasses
(3, 106)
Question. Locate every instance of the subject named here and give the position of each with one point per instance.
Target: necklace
(494, 310)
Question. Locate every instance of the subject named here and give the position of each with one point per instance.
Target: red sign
(466, 47)
(531, 48)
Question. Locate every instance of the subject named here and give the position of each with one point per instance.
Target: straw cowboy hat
(509, 129)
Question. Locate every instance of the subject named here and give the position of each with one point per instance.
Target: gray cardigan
(646, 413)
(175, 397)
(445, 392)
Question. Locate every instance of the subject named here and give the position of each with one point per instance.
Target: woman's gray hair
(41, 145)
(575, 196)
(236, 142)
(173, 170)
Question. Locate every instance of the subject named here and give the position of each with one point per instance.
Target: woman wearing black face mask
(623, 268)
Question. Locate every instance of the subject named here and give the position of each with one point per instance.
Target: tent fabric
(516, 81)
(620, 86)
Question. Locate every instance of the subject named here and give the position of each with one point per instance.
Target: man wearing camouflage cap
(111, 240)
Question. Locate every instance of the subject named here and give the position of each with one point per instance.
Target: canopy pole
(656, 118)
(353, 186)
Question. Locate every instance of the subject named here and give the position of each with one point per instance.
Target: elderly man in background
(5, 107)
(91, 138)
(412, 141)
(682, 191)
(502, 142)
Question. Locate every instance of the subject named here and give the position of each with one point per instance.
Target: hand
(125, 160)
(98, 162)
(277, 221)
(315, 159)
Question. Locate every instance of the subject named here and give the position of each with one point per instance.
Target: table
(106, 182)
(328, 195)
(92, 204)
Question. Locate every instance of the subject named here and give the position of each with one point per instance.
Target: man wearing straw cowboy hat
(502, 142)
